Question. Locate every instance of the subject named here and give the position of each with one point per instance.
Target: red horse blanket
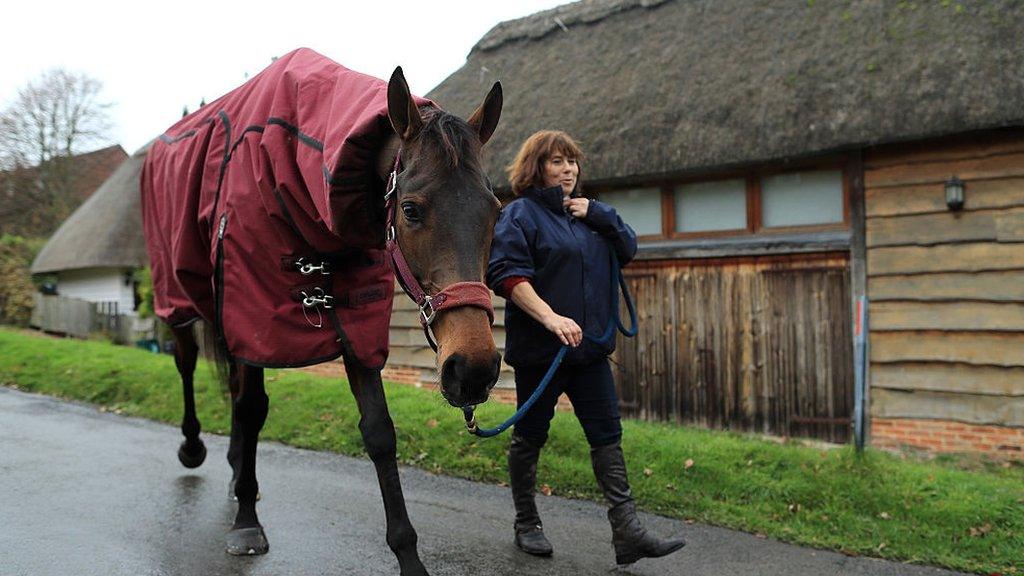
(264, 216)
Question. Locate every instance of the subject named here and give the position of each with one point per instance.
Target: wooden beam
(946, 377)
(1002, 225)
(969, 408)
(951, 316)
(931, 198)
(1001, 286)
(1007, 165)
(969, 257)
(837, 240)
(947, 149)
(978, 348)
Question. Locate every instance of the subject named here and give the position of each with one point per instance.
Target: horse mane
(452, 135)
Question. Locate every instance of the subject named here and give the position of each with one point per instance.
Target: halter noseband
(459, 294)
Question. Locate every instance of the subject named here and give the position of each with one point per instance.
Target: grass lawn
(951, 512)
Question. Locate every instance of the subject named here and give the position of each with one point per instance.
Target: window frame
(752, 178)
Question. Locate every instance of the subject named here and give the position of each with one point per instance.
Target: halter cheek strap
(456, 295)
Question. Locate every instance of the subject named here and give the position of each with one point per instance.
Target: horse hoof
(192, 457)
(247, 542)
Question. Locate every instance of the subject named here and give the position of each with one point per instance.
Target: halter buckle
(427, 319)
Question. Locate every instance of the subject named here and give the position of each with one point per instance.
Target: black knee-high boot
(522, 472)
(631, 540)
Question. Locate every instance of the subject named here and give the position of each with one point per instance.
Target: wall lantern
(955, 193)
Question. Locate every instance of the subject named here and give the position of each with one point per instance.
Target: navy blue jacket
(567, 262)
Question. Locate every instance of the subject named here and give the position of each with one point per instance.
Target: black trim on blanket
(168, 140)
(241, 137)
(224, 162)
(312, 362)
(288, 216)
(304, 138)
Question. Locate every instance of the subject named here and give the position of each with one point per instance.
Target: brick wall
(948, 436)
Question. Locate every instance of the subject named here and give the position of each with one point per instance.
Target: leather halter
(456, 295)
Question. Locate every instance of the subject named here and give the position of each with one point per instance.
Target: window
(640, 208)
(801, 199)
(808, 200)
(711, 206)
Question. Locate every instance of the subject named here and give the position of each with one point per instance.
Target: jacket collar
(550, 198)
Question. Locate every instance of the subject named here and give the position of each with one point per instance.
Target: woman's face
(561, 171)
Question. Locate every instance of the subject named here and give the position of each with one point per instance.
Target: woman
(550, 259)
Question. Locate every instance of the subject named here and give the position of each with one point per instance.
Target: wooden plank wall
(760, 344)
(947, 288)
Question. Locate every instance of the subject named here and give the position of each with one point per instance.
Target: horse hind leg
(250, 407)
(378, 433)
(192, 451)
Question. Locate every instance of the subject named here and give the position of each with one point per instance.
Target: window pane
(640, 208)
(802, 198)
(708, 206)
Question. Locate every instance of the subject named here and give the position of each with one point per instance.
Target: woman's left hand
(577, 207)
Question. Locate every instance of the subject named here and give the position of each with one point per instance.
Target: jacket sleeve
(510, 252)
(603, 218)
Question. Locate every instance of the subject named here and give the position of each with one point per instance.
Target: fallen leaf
(880, 547)
(545, 489)
(670, 487)
(648, 471)
(979, 531)
(761, 535)
(432, 423)
(750, 462)
(794, 508)
(688, 464)
(884, 515)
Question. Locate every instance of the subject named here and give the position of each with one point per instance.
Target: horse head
(444, 216)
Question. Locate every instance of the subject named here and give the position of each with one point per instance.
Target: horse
(200, 197)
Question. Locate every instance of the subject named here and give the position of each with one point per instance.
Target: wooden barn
(802, 175)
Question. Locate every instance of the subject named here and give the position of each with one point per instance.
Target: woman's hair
(528, 167)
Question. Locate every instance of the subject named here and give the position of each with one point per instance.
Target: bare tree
(51, 119)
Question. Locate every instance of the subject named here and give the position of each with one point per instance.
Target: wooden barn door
(808, 349)
(758, 345)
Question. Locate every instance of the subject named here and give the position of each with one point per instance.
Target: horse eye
(411, 211)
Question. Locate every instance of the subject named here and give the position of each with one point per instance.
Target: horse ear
(402, 111)
(485, 119)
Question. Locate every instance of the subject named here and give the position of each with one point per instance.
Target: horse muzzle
(467, 383)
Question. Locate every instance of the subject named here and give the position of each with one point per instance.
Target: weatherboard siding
(947, 288)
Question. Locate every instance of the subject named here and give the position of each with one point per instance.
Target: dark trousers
(591, 391)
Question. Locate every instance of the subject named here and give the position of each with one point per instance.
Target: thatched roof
(663, 87)
(105, 231)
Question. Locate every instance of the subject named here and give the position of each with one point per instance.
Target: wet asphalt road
(88, 493)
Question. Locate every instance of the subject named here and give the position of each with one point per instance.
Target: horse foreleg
(250, 410)
(235, 444)
(379, 438)
(192, 451)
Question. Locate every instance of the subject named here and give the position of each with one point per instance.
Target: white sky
(154, 58)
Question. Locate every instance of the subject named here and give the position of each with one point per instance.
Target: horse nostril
(495, 370)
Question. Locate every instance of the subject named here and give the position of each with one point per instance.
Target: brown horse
(443, 220)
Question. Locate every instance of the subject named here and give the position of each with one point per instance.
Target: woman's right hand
(567, 330)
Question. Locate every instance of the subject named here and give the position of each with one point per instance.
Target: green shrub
(16, 288)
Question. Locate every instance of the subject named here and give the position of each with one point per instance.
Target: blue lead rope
(604, 339)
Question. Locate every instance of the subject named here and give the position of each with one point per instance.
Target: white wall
(97, 285)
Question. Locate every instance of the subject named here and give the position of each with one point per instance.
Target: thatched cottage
(798, 171)
(95, 252)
